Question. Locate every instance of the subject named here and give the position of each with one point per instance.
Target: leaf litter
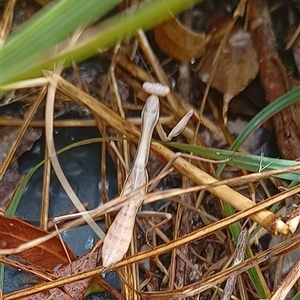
(228, 92)
(14, 232)
(74, 290)
(9, 183)
(236, 67)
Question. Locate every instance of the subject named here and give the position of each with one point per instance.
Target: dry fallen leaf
(178, 41)
(8, 185)
(236, 67)
(48, 255)
(76, 289)
(8, 135)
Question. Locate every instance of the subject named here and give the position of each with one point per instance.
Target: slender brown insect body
(118, 238)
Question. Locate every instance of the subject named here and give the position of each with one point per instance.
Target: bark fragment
(273, 79)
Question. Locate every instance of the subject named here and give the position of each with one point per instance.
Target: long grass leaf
(49, 26)
(92, 41)
(249, 162)
(265, 114)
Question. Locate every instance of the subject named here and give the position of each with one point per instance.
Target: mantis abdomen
(118, 239)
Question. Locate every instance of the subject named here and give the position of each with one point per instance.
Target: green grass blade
(51, 25)
(244, 161)
(2, 275)
(93, 40)
(46, 28)
(297, 296)
(269, 111)
(253, 163)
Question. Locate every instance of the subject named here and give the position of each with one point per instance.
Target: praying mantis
(118, 237)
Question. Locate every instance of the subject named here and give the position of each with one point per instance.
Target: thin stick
(6, 22)
(197, 234)
(46, 193)
(8, 121)
(286, 285)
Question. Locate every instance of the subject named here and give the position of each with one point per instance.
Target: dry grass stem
(6, 22)
(264, 217)
(43, 275)
(159, 72)
(287, 284)
(188, 291)
(191, 250)
(55, 163)
(46, 192)
(200, 233)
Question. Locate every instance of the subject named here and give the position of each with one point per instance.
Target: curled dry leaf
(8, 185)
(178, 41)
(236, 67)
(48, 255)
(76, 289)
(8, 135)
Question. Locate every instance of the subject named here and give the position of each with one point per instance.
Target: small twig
(46, 192)
(188, 291)
(286, 285)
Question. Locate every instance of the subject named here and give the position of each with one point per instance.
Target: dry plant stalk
(117, 203)
(187, 291)
(238, 258)
(287, 284)
(7, 18)
(97, 108)
(264, 218)
(7, 121)
(55, 162)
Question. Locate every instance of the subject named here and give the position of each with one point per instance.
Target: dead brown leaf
(178, 41)
(14, 232)
(76, 289)
(236, 67)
